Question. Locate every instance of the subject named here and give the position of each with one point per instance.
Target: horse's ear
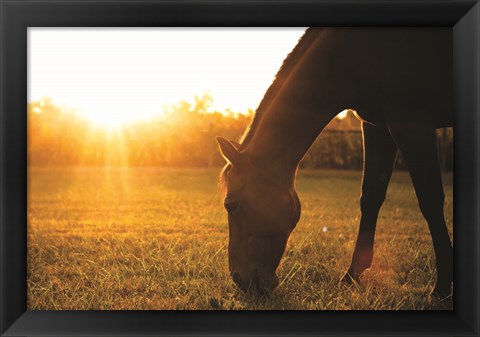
(229, 151)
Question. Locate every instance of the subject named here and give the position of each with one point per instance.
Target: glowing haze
(117, 75)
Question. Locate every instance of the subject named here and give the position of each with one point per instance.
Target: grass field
(157, 239)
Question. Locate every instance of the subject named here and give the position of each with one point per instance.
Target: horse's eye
(231, 206)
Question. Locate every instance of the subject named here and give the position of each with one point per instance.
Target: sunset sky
(114, 76)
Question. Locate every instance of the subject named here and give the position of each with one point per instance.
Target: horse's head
(262, 213)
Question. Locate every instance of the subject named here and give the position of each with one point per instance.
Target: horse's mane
(277, 83)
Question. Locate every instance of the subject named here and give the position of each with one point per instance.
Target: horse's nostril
(237, 279)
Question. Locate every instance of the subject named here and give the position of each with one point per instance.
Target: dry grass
(157, 239)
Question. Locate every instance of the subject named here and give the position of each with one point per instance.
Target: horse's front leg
(378, 162)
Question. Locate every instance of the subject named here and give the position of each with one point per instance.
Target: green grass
(157, 239)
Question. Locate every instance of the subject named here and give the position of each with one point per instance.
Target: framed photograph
(157, 156)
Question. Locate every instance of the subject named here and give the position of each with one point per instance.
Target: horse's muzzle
(257, 282)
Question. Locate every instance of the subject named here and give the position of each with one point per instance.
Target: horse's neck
(294, 117)
(283, 137)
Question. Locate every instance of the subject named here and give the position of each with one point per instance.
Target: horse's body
(399, 81)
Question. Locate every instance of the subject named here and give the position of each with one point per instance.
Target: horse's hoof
(349, 279)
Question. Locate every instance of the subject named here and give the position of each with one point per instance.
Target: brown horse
(399, 81)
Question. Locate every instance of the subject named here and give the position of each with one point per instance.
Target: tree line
(183, 135)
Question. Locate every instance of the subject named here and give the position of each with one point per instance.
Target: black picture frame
(463, 16)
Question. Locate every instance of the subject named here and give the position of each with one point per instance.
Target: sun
(108, 120)
(116, 114)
